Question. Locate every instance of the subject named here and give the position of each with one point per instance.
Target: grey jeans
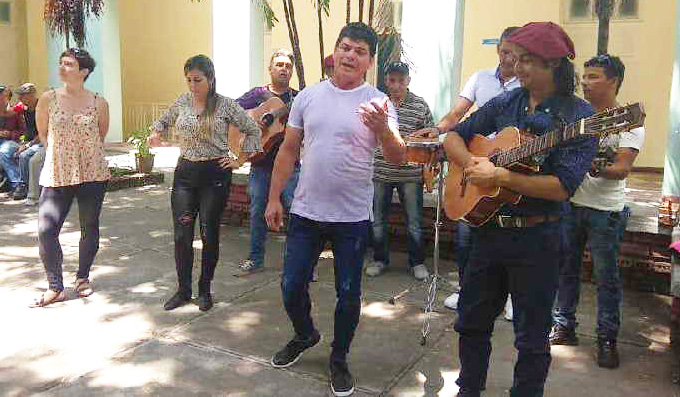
(35, 167)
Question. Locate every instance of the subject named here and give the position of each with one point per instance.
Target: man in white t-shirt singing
(339, 122)
(599, 216)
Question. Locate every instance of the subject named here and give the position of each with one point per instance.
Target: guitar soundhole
(268, 119)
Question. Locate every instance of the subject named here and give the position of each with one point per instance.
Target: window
(580, 9)
(5, 13)
(586, 10)
(628, 8)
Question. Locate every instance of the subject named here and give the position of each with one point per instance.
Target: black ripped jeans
(200, 188)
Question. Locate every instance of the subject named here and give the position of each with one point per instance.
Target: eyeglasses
(610, 61)
(606, 58)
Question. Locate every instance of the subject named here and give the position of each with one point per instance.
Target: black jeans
(55, 203)
(525, 263)
(200, 188)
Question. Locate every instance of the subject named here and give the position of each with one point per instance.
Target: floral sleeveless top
(75, 152)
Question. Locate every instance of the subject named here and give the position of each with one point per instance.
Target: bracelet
(495, 176)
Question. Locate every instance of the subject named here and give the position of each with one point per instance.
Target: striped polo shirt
(413, 114)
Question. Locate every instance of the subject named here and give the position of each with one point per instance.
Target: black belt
(508, 221)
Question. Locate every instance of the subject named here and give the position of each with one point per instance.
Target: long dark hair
(565, 77)
(203, 64)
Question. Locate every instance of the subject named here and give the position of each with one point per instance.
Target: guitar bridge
(463, 184)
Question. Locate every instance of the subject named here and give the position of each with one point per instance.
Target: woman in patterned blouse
(202, 119)
(72, 122)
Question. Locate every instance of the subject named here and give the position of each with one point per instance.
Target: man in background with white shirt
(479, 89)
(599, 216)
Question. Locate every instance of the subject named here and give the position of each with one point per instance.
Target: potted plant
(143, 157)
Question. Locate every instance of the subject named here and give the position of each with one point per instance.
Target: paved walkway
(119, 341)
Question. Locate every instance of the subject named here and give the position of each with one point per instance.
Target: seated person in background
(11, 128)
(28, 99)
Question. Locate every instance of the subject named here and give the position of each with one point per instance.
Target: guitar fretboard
(607, 122)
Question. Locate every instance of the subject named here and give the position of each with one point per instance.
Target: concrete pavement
(120, 341)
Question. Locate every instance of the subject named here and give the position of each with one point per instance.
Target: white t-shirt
(608, 194)
(484, 85)
(336, 172)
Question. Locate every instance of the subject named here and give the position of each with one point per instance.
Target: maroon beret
(544, 39)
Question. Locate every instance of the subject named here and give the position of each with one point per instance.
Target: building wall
(645, 45)
(307, 26)
(13, 46)
(156, 38)
(36, 38)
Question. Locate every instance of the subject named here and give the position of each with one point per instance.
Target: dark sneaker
(293, 350)
(249, 267)
(607, 353)
(342, 383)
(20, 192)
(177, 300)
(205, 302)
(560, 335)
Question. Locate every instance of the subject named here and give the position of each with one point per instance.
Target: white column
(237, 46)
(435, 48)
(111, 69)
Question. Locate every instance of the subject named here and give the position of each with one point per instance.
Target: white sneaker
(29, 202)
(508, 309)
(375, 269)
(420, 272)
(452, 301)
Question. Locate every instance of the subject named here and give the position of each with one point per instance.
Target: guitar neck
(596, 125)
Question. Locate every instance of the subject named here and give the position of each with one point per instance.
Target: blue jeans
(411, 198)
(9, 162)
(258, 190)
(25, 162)
(604, 230)
(463, 246)
(304, 242)
(523, 262)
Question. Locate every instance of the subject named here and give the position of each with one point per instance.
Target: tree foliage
(67, 18)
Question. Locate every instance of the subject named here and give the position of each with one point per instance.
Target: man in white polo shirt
(599, 217)
(479, 89)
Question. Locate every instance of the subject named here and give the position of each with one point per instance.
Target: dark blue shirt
(569, 162)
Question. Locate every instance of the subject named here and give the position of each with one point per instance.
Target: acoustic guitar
(271, 116)
(513, 148)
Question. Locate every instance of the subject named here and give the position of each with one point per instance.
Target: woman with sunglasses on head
(72, 121)
(202, 119)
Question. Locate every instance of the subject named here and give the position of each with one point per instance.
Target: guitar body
(275, 113)
(514, 149)
(474, 204)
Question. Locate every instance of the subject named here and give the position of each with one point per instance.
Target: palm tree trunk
(604, 10)
(289, 11)
(349, 8)
(321, 52)
(361, 10)
(371, 10)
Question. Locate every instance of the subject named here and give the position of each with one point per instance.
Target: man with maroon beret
(518, 250)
